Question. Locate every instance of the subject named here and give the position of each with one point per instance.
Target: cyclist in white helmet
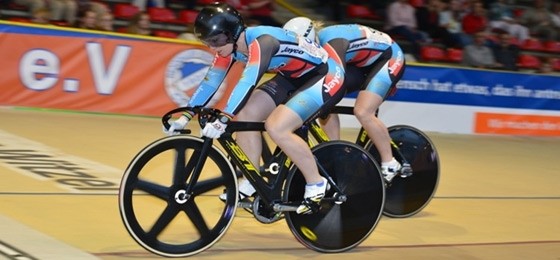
(374, 63)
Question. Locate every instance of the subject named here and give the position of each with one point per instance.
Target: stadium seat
(188, 16)
(432, 53)
(416, 3)
(162, 14)
(60, 23)
(125, 11)
(20, 19)
(552, 46)
(454, 55)
(528, 61)
(556, 64)
(361, 12)
(532, 44)
(165, 34)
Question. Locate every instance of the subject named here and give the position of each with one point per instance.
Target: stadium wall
(72, 69)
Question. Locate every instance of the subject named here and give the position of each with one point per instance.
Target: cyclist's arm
(212, 81)
(261, 52)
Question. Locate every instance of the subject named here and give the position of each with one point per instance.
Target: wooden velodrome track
(498, 197)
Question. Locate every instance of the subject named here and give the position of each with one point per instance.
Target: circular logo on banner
(184, 74)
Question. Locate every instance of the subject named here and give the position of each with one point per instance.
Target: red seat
(360, 11)
(552, 46)
(162, 14)
(432, 53)
(532, 44)
(454, 55)
(60, 23)
(528, 61)
(165, 34)
(556, 64)
(188, 16)
(416, 3)
(20, 19)
(125, 11)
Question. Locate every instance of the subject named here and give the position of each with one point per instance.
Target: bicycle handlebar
(205, 114)
(202, 112)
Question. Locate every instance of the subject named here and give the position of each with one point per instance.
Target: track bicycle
(419, 176)
(413, 149)
(168, 196)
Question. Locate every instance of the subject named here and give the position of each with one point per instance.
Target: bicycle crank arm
(245, 204)
(284, 207)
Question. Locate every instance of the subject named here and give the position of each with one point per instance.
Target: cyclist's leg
(257, 109)
(331, 126)
(353, 79)
(384, 74)
(366, 104)
(304, 105)
(259, 106)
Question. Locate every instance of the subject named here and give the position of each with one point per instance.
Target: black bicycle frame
(271, 190)
(319, 134)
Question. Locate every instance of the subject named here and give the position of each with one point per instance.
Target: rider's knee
(362, 113)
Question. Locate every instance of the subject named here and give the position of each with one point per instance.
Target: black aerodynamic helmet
(218, 24)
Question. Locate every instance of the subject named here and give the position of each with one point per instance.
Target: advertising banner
(468, 87)
(49, 67)
(72, 69)
(480, 101)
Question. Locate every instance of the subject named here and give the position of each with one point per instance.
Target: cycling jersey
(273, 49)
(374, 61)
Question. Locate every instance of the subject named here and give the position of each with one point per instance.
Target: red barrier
(50, 67)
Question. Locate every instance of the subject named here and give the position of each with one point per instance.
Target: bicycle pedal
(245, 203)
(406, 170)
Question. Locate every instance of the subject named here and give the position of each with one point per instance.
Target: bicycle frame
(362, 139)
(268, 191)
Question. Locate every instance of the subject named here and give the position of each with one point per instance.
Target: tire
(339, 227)
(406, 197)
(177, 214)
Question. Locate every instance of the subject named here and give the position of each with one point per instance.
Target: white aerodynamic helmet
(302, 26)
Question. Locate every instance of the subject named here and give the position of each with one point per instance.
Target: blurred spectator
(87, 20)
(32, 5)
(476, 20)
(427, 18)
(378, 6)
(502, 18)
(450, 18)
(41, 16)
(104, 22)
(479, 55)
(188, 34)
(505, 53)
(144, 4)
(261, 11)
(546, 66)
(63, 10)
(401, 20)
(473, 22)
(240, 6)
(555, 18)
(190, 4)
(539, 21)
(140, 24)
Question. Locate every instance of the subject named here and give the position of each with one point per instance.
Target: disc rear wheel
(338, 227)
(408, 196)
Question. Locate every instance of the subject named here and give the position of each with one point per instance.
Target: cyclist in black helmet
(307, 81)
